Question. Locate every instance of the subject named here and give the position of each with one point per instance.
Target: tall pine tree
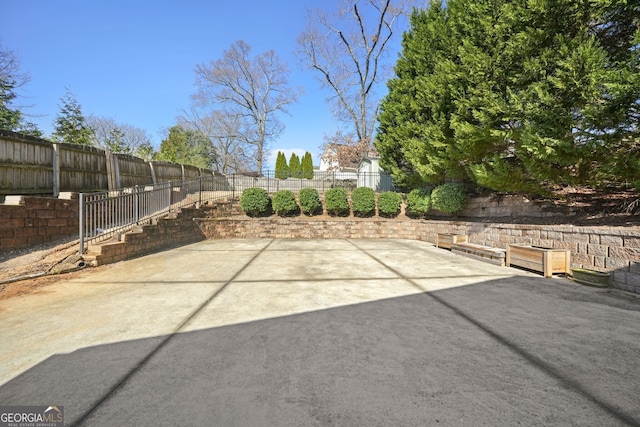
(70, 125)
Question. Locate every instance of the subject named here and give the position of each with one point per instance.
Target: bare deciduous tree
(120, 137)
(347, 50)
(225, 130)
(254, 89)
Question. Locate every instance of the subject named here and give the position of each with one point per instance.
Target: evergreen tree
(11, 79)
(70, 125)
(415, 138)
(515, 95)
(115, 141)
(295, 168)
(145, 151)
(282, 169)
(10, 118)
(307, 166)
(187, 147)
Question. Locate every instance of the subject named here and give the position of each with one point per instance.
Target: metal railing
(321, 181)
(106, 214)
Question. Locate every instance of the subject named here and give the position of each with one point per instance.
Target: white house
(371, 175)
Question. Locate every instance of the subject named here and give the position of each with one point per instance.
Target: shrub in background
(419, 201)
(336, 202)
(284, 203)
(449, 198)
(389, 203)
(255, 202)
(363, 201)
(309, 201)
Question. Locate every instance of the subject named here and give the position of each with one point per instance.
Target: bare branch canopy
(346, 51)
(254, 89)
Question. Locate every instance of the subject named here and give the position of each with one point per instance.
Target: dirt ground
(31, 270)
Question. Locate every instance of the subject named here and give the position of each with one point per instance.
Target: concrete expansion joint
(531, 359)
(127, 377)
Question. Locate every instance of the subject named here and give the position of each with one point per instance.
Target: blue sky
(134, 60)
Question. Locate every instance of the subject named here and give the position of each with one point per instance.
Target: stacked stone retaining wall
(32, 221)
(172, 231)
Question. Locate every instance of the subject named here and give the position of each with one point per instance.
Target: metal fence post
(136, 205)
(81, 223)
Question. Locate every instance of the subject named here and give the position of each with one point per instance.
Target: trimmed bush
(336, 202)
(419, 201)
(284, 203)
(449, 198)
(309, 201)
(363, 202)
(255, 202)
(389, 203)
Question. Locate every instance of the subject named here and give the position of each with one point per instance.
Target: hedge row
(448, 198)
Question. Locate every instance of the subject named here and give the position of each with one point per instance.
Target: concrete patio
(253, 332)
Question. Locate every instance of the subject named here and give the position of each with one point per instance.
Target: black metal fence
(321, 181)
(105, 214)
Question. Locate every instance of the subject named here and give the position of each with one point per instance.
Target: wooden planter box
(445, 240)
(483, 253)
(590, 277)
(544, 260)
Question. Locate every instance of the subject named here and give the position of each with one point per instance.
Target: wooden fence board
(82, 168)
(133, 171)
(26, 165)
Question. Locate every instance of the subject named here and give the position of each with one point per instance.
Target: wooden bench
(445, 240)
(488, 254)
(543, 260)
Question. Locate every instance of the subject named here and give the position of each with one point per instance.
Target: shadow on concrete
(535, 352)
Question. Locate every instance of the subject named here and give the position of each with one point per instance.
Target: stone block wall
(627, 279)
(513, 205)
(31, 221)
(167, 232)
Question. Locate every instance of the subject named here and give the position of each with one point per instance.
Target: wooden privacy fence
(36, 166)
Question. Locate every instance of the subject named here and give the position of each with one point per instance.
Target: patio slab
(322, 332)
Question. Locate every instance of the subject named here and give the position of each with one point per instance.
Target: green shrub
(309, 201)
(255, 202)
(363, 202)
(449, 198)
(389, 203)
(284, 203)
(419, 201)
(336, 202)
